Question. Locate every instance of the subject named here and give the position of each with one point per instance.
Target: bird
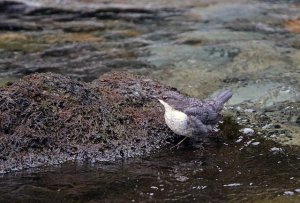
(191, 117)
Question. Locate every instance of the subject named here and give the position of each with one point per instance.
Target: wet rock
(14, 7)
(276, 150)
(293, 25)
(247, 131)
(12, 25)
(49, 119)
(78, 41)
(298, 120)
(264, 94)
(81, 26)
(246, 25)
(129, 13)
(281, 1)
(185, 56)
(276, 122)
(288, 193)
(215, 37)
(66, 50)
(227, 12)
(294, 42)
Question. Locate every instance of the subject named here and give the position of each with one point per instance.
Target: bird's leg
(177, 145)
(198, 146)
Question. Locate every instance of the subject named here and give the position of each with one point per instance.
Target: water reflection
(234, 172)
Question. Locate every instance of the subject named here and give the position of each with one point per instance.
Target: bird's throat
(177, 121)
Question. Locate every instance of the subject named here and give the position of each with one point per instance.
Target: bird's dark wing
(199, 128)
(206, 113)
(222, 98)
(186, 103)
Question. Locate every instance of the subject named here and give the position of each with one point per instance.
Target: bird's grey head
(172, 98)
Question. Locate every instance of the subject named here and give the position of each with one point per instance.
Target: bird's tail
(222, 98)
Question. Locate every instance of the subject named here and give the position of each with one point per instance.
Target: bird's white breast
(176, 120)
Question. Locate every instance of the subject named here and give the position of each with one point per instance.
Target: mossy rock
(49, 119)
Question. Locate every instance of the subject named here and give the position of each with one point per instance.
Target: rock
(292, 25)
(233, 185)
(247, 131)
(289, 193)
(276, 150)
(49, 119)
(12, 25)
(14, 7)
(249, 110)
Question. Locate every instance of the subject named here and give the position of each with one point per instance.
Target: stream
(198, 47)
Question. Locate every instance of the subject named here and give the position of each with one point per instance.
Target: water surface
(250, 171)
(196, 46)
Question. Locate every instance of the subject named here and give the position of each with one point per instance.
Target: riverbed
(198, 47)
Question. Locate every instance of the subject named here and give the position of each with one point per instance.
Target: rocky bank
(49, 119)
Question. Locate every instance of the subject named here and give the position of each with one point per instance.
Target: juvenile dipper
(191, 117)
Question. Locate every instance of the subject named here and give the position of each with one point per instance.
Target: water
(196, 46)
(226, 172)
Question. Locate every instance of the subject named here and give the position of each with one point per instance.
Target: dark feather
(203, 114)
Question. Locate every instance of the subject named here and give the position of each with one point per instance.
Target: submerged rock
(49, 119)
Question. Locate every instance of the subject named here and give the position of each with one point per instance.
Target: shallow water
(196, 46)
(227, 172)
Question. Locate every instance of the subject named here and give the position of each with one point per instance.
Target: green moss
(24, 46)
(230, 128)
(6, 81)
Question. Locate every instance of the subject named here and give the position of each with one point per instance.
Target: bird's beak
(162, 102)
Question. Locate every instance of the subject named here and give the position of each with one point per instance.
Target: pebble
(182, 178)
(289, 193)
(247, 131)
(267, 126)
(238, 108)
(239, 140)
(232, 185)
(249, 110)
(276, 150)
(200, 187)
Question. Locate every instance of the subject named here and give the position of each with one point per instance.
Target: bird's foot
(197, 143)
(177, 145)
